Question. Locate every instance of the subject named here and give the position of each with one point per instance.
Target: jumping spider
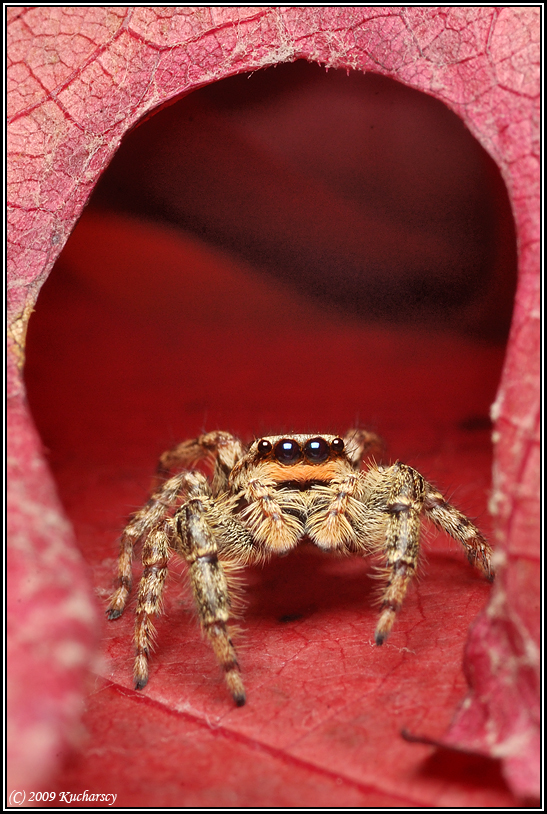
(263, 500)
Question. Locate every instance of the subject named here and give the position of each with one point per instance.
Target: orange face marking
(301, 472)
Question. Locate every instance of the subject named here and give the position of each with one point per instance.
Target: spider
(265, 499)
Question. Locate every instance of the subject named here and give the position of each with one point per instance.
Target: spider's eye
(264, 447)
(287, 451)
(316, 450)
(337, 445)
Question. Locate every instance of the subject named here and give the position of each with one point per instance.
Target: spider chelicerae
(264, 500)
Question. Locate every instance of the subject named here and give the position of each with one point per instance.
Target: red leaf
(325, 710)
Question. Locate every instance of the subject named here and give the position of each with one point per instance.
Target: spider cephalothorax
(264, 500)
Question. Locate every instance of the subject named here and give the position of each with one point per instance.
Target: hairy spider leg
(225, 449)
(199, 547)
(410, 496)
(155, 558)
(402, 544)
(140, 525)
(360, 444)
(449, 519)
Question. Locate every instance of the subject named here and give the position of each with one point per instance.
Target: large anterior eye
(287, 451)
(316, 450)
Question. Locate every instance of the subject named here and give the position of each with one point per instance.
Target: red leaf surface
(326, 708)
